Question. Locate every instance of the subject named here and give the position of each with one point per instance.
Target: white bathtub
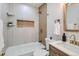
(30, 49)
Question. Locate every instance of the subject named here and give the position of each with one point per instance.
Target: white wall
(68, 34)
(3, 16)
(54, 11)
(23, 35)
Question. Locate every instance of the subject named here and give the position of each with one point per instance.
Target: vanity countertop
(66, 47)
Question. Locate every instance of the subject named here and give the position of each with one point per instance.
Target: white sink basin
(69, 47)
(66, 47)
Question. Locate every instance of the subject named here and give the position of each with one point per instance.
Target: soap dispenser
(64, 37)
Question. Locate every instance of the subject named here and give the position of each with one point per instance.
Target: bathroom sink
(66, 47)
(70, 47)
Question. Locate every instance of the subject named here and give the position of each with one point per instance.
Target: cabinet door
(52, 51)
(56, 52)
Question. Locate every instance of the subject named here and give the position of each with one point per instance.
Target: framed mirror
(71, 17)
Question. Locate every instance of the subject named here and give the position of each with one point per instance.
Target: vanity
(53, 51)
(60, 48)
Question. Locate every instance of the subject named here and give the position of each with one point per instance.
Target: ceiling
(36, 5)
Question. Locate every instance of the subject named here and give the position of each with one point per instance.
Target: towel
(57, 28)
(1, 36)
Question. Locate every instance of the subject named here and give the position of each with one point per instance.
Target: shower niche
(25, 23)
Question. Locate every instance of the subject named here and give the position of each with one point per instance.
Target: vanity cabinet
(55, 52)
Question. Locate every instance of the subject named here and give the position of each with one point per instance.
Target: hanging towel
(57, 28)
(1, 36)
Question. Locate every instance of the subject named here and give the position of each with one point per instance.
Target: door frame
(45, 23)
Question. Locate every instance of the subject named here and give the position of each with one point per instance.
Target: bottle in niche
(64, 37)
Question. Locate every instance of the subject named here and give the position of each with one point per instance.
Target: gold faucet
(75, 42)
(74, 37)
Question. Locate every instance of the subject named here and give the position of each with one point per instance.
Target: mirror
(71, 17)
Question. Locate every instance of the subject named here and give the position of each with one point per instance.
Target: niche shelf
(25, 23)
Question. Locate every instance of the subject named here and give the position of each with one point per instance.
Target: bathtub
(30, 49)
